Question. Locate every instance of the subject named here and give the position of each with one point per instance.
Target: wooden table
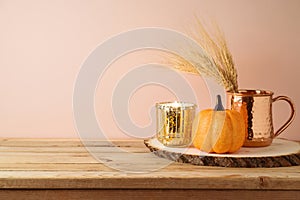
(63, 169)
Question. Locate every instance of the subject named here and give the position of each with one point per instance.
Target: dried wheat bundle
(216, 62)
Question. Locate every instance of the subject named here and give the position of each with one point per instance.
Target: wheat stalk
(216, 62)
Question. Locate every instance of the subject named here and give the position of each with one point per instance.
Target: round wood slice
(281, 153)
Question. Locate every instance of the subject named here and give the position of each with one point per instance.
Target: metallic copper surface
(256, 109)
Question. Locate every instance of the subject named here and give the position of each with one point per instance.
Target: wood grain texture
(147, 194)
(275, 157)
(48, 165)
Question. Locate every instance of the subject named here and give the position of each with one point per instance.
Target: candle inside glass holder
(174, 123)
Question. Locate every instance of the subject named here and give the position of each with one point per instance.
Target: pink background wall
(43, 43)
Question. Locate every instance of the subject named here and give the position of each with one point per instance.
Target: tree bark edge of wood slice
(287, 160)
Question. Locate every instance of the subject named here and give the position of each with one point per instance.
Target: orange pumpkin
(218, 130)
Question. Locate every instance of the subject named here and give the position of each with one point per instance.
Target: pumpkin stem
(219, 106)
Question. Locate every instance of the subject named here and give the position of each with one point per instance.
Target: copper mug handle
(292, 115)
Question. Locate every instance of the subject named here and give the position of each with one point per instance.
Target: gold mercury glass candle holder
(174, 123)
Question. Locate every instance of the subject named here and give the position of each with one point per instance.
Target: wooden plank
(147, 194)
(173, 167)
(159, 180)
(168, 172)
(16, 158)
(61, 164)
(70, 149)
(31, 142)
(112, 158)
(50, 142)
(54, 167)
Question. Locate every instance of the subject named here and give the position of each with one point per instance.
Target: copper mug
(256, 109)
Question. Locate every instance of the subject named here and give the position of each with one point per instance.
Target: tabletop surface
(68, 164)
